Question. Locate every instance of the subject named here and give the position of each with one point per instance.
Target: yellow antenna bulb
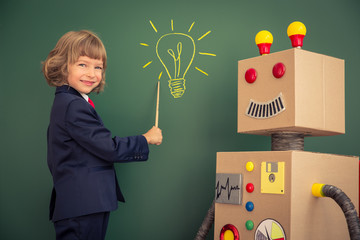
(264, 40)
(296, 31)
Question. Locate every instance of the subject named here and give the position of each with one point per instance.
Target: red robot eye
(279, 70)
(250, 75)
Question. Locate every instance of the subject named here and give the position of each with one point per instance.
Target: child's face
(85, 74)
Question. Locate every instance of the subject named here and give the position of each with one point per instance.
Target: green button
(249, 225)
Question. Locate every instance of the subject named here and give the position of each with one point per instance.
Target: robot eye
(250, 75)
(279, 70)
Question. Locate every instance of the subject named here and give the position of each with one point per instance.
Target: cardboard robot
(273, 194)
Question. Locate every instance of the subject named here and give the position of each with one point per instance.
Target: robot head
(292, 90)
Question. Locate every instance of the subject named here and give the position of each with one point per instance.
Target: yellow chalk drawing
(204, 35)
(191, 26)
(147, 64)
(153, 26)
(176, 52)
(208, 54)
(201, 71)
(177, 81)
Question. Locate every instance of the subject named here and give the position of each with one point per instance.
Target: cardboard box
(289, 210)
(311, 92)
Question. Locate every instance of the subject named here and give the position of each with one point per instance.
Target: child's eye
(99, 68)
(82, 64)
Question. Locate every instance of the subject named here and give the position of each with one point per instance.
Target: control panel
(267, 195)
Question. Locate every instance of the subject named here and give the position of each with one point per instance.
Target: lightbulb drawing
(175, 60)
(176, 52)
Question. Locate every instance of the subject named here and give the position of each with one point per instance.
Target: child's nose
(91, 72)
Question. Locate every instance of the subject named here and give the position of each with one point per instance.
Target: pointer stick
(157, 106)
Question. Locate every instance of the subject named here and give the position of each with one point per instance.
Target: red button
(227, 230)
(250, 75)
(279, 70)
(249, 187)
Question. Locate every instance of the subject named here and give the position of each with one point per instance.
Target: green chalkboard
(169, 195)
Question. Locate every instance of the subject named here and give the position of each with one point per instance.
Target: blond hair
(67, 51)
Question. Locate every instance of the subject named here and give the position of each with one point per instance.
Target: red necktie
(91, 103)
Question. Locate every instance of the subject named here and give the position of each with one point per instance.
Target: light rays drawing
(176, 52)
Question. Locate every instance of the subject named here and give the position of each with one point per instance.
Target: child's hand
(154, 136)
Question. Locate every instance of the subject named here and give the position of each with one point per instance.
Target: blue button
(249, 206)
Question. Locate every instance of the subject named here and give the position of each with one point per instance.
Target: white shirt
(86, 97)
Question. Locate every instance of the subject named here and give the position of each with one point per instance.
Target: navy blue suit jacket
(81, 157)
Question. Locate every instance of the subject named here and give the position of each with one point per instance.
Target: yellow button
(229, 235)
(249, 166)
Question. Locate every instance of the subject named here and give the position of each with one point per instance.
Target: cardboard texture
(311, 92)
(299, 214)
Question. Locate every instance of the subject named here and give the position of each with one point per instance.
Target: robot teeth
(265, 109)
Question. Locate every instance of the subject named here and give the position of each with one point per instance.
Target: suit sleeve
(86, 128)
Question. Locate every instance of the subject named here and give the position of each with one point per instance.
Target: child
(81, 151)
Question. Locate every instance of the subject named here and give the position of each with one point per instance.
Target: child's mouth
(87, 83)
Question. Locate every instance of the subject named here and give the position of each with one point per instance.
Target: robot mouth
(265, 109)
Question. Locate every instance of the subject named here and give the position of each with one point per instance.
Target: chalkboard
(169, 195)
